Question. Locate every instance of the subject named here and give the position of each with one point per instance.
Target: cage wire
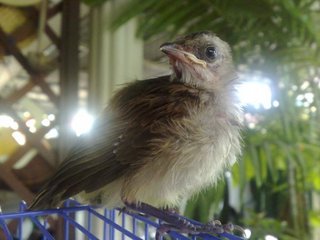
(87, 222)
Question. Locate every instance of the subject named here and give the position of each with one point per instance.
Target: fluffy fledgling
(160, 140)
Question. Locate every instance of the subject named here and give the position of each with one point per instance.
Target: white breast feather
(194, 165)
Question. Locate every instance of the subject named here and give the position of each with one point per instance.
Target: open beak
(175, 52)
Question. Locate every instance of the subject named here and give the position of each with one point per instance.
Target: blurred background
(60, 62)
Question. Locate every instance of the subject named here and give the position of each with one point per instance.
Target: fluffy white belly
(190, 167)
(175, 174)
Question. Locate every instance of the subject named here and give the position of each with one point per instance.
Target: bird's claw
(184, 226)
(123, 210)
(216, 227)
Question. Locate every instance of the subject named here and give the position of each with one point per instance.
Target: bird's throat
(175, 68)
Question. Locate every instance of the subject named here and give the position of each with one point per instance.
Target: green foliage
(207, 204)
(261, 226)
(315, 218)
(267, 27)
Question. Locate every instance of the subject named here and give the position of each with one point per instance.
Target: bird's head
(201, 59)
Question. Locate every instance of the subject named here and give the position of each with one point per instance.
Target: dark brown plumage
(159, 140)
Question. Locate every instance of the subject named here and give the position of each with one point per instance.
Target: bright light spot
(53, 133)
(304, 99)
(275, 103)
(251, 118)
(228, 174)
(270, 237)
(256, 94)
(153, 234)
(299, 100)
(51, 117)
(32, 129)
(45, 122)
(309, 97)
(247, 232)
(82, 122)
(6, 121)
(26, 115)
(19, 137)
(304, 85)
(306, 104)
(313, 109)
(251, 125)
(31, 123)
(300, 97)
(14, 125)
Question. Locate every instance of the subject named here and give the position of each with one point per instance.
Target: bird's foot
(174, 222)
(187, 227)
(216, 227)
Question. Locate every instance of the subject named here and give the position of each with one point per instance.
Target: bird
(160, 140)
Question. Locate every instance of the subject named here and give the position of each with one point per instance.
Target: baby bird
(160, 140)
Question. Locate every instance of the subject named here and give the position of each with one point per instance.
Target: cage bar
(115, 224)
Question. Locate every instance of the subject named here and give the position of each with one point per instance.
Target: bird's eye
(211, 53)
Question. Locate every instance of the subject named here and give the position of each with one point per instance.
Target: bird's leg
(178, 223)
(128, 210)
(173, 221)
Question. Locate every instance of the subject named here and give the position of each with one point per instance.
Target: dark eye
(211, 53)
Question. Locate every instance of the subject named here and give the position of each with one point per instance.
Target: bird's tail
(45, 199)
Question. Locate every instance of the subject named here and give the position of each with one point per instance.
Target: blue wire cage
(86, 222)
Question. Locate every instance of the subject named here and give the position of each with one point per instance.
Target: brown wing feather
(90, 154)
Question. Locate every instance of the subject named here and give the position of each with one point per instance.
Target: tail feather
(45, 199)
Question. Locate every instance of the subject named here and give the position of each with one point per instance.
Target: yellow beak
(173, 51)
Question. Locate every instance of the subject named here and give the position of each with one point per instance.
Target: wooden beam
(15, 96)
(22, 150)
(10, 44)
(51, 12)
(16, 156)
(11, 180)
(69, 70)
(24, 31)
(53, 36)
(40, 81)
(37, 77)
(57, 8)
